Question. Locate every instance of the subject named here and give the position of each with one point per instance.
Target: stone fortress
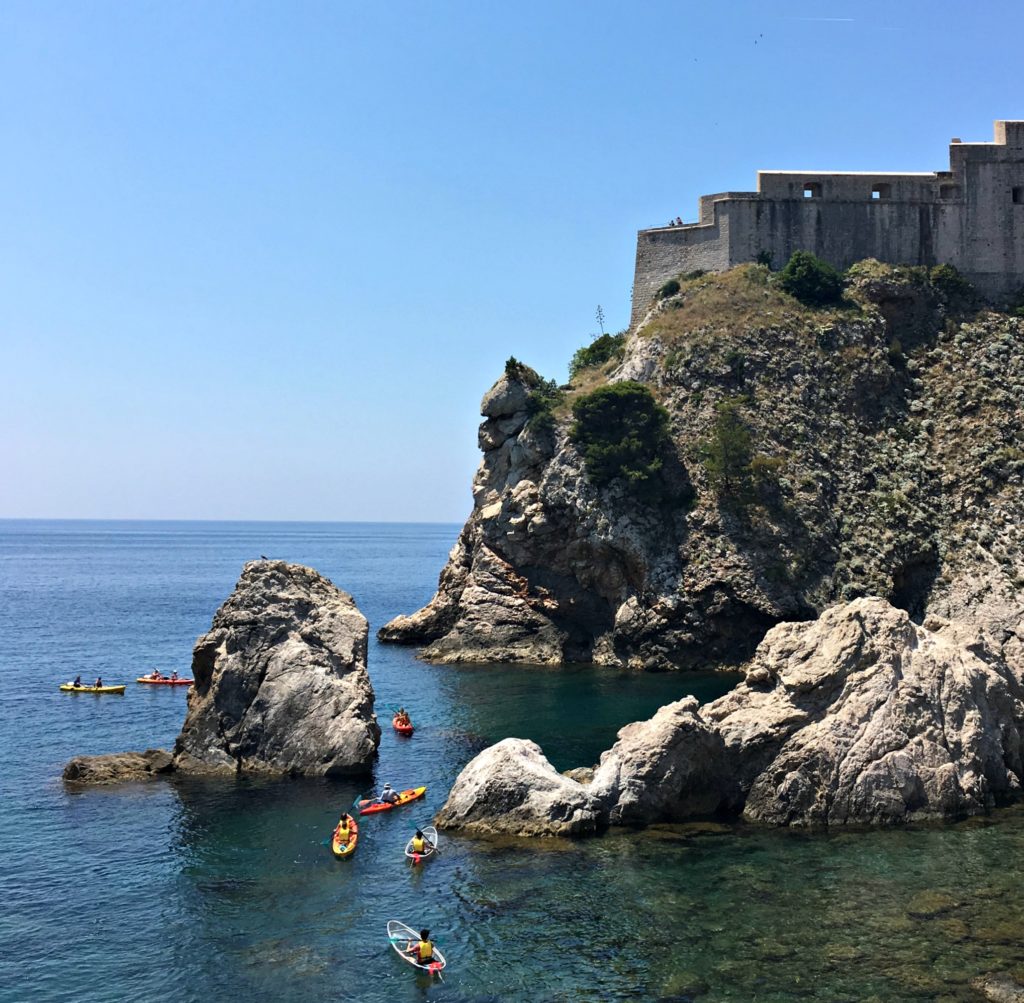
(971, 217)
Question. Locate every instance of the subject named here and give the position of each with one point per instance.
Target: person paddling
(343, 831)
(420, 843)
(174, 676)
(402, 718)
(78, 682)
(388, 796)
(98, 684)
(422, 952)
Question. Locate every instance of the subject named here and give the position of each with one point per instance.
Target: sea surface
(222, 889)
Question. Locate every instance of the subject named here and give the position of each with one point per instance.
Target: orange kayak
(402, 729)
(369, 806)
(163, 682)
(345, 849)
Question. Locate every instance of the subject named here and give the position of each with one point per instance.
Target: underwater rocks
(511, 789)
(859, 718)
(281, 687)
(118, 767)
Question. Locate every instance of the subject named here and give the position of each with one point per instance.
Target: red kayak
(150, 681)
(368, 806)
(402, 729)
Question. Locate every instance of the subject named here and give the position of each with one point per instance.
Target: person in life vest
(343, 832)
(388, 796)
(422, 952)
(420, 843)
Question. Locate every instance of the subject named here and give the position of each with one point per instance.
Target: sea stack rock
(280, 680)
(511, 789)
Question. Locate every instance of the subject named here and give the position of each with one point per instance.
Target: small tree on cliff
(728, 451)
(622, 432)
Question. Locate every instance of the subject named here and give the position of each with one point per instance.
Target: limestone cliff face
(888, 450)
(860, 717)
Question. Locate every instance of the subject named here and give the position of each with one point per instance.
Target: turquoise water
(200, 889)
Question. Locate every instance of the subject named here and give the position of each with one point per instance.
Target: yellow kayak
(71, 688)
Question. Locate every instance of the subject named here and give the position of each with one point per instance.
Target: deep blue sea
(211, 889)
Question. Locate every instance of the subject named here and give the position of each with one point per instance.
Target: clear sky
(262, 260)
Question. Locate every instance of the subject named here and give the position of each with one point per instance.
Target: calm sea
(204, 890)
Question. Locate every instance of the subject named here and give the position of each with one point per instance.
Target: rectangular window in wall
(881, 192)
(812, 190)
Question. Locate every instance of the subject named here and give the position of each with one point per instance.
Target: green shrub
(765, 258)
(955, 289)
(670, 288)
(598, 352)
(727, 453)
(622, 432)
(812, 281)
(540, 405)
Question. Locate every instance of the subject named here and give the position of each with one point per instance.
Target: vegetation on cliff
(819, 453)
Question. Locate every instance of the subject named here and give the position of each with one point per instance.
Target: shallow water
(198, 889)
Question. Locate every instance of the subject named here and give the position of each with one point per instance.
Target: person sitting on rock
(422, 952)
(388, 796)
(420, 843)
(78, 682)
(343, 833)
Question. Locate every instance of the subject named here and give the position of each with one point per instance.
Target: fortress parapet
(971, 217)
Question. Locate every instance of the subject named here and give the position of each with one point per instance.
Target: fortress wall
(666, 252)
(971, 216)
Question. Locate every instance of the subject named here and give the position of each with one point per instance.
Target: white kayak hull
(402, 936)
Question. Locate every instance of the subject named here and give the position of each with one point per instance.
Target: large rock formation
(280, 680)
(861, 717)
(280, 687)
(886, 458)
(511, 788)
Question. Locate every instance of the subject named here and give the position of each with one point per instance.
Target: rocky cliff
(281, 687)
(878, 449)
(860, 717)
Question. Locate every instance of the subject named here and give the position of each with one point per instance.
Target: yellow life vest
(425, 949)
(418, 845)
(343, 832)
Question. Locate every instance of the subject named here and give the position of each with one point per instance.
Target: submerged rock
(280, 680)
(118, 767)
(280, 687)
(511, 789)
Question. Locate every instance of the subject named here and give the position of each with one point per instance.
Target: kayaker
(402, 717)
(343, 832)
(78, 682)
(155, 674)
(420, 843)
(423, 952)
(174, 676)
(388, 796)
(99, 683)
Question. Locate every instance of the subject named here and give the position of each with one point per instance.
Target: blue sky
(262, 260)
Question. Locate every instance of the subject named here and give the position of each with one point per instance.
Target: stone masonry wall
(971, 216)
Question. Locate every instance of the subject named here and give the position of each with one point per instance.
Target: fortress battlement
(971, 217)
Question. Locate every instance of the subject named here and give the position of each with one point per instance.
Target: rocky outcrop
(280, 687)
(511, 789)
(280, 680)
(670, 767)
(119, 767)
(886, 458)
(861, 717)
